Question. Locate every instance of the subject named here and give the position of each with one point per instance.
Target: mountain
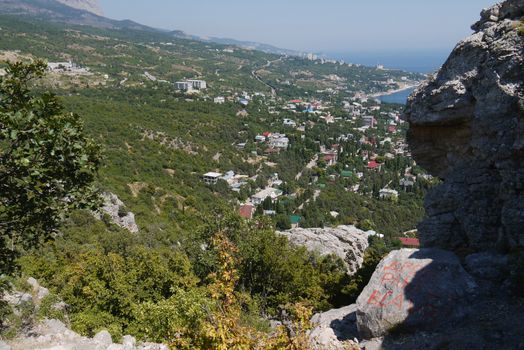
(89, 12)
(77, 12)
(250, 45)
(87, 5)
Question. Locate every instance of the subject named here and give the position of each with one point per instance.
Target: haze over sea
(413, 61)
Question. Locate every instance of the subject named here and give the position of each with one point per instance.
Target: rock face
(88, 5)
(347, 242)
(115, 208)
(417, 289)
(467, 127)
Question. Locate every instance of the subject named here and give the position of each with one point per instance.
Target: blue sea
(400, 97)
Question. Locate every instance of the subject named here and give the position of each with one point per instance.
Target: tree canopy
(47, 164)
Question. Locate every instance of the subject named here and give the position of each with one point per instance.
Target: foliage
(47, 165)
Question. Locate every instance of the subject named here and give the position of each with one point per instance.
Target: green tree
(47, 164)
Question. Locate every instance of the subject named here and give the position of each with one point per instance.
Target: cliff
(467, 127)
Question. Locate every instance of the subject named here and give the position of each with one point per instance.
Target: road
(255, 75)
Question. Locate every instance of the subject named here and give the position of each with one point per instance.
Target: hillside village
(346, 137)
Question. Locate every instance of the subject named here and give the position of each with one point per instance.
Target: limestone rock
(103, 338)
(39, 292)
(415, 289)
(54, 335)
(334, 329)
(115, 208)
(467, 127)
(347, 242)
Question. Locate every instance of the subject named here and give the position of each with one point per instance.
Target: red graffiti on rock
(395, 277)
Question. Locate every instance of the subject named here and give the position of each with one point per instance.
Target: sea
(425, 62)
(400, 97)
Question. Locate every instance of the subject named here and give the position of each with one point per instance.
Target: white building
(387, 193)
(290, 122)
(272, 193)
(211, 178)
(279, 141)
(198, 84)
(369, 121)
(65, 66)
(184, 86)
(219, 100)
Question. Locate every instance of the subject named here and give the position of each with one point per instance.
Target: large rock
(115, 209)
(467, 127)
(414, 289)
(347, 242)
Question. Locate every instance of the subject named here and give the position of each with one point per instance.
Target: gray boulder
(347, 242)
(414, 289)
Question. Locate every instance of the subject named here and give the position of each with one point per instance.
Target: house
(290, 122)
(330, 158)
(260, 138)
(219, 100)
(295, 220)
(408, 181)
(369, 121)
(246, 211)
(211, 178)
(261, 196)
(409, 242)
(243, 102)
(278, 141)
(387, 193)
(392, 129)
(373, 165)
(346, 174)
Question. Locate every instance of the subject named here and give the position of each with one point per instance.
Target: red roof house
(246, 211)
(373, 165)
(409, 242)
(266, 134)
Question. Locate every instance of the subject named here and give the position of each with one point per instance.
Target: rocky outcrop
(414, 289)
(115, 209)
(92, 6)
(53, 334)
(467, 127)
(347, 242)
(335, 329)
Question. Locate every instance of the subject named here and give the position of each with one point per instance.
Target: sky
(333, 26)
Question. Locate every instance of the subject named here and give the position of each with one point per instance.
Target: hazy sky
(313, 25)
